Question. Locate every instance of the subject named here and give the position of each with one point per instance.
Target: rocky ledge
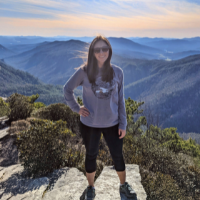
(65, 184)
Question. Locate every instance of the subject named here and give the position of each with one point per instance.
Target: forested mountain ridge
(172, 91)
(4, 52)
(129, 49)
(17, 81)
(51, 62)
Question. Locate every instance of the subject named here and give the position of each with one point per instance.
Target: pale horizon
(113, 18)
(92, 36)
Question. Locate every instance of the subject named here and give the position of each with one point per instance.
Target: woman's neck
(100, 65)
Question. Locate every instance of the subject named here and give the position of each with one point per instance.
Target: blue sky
(120, 18)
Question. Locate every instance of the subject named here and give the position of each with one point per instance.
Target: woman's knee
(90, 163)
(119, 163)
(91, 156)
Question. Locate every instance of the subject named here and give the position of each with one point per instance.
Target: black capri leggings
(91, 137)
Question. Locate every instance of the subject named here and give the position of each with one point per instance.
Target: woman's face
(103, 54)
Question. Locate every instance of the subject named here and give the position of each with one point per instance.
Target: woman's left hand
(122, 133)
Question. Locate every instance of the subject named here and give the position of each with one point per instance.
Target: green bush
(153, 157)
(20, 107)
(60, 111)
(45, 147)
(159, 186)
(170, 138)
(38, 105)
(4, 108)
(33, 98)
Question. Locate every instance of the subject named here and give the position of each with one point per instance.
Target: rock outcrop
(3, 122)
(4, 132)
(8, 150)
(65, 183)
(107, 184)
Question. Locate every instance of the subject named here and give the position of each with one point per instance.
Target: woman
(103, 111)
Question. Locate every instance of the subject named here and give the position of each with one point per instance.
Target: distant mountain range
(139, 48)
(171, 45)
(22, 40)
(52, 62)
(128, 48)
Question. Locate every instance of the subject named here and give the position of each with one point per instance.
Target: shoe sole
(83, 197)
(130, 197)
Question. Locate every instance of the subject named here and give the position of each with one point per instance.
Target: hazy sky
(120, 18)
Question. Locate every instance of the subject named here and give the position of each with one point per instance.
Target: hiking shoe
(88, 194)
(127, 191)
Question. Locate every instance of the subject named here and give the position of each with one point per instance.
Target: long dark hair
(91, 66)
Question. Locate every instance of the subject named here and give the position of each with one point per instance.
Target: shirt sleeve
(74, 81)
(121, 105)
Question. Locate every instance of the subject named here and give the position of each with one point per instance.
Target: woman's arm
(74, 81)
(121, 105)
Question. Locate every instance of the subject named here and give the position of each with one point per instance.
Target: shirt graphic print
(102, 89)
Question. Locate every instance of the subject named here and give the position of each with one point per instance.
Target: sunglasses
(104, 49)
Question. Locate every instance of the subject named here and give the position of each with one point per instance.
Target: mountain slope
(172, 91)
(52, 62)
(12, 80)
(124, 45)
(4, 52)
(20, 48)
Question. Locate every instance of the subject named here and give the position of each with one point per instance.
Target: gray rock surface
(3, 132)
(3, 118)
(8, 151)
(107, 184)
(65, 183)
(15, 186)
(61, 184)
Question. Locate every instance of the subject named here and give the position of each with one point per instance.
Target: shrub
(44, 147)
(170, 138)
(60, 111)
(20, 107)
(38, 105)
(152, 156)
(159, 186)
(33, 98)
(4, 108)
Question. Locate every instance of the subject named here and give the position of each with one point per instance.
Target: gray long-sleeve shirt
(105, 101)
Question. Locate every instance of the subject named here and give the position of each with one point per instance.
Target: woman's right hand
(84, 111)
